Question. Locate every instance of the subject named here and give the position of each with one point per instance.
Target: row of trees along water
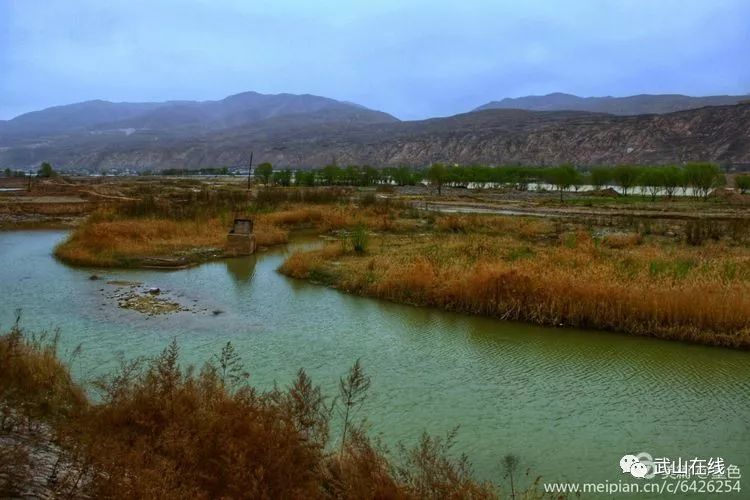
(696, 178)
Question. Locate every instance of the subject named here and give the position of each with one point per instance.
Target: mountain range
(304, 130)
(630, 105)
(185, 117)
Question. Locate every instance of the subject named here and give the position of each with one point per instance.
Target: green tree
(331, 174)
(741, 182)
(8, 172)
(625, 176)
(437, 175)
(46, 170)
(283, 178)
(353, 175)
(652, 178)
(405, 176)
(702, 177)
(305, 177)
(370, 175)
(672, 179)
(264, 171)
(563, 178)
(520, 177)
(457, 176)
(600, 177)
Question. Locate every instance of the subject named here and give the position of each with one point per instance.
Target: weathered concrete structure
(241, 240)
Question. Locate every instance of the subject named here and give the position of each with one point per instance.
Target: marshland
(627, 287)
(636, 266)
(374, 250)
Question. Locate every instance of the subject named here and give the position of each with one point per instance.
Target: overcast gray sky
(413, 59)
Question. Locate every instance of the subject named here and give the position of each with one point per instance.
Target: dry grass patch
(622, 240)
(122, 242)
(697, 294)
(109, 239)
(524, 227)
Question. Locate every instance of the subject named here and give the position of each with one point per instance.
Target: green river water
(569, 403)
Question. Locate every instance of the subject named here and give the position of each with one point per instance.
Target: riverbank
(647, 281)
(200, 434)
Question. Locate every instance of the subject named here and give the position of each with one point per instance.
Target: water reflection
(241, 269)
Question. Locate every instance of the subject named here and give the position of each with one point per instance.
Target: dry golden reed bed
(522, 269)
(686, 280)
(109, 239)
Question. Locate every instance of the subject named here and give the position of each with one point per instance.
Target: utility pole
(249, 170)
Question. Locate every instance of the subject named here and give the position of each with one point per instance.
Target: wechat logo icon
(639, 466)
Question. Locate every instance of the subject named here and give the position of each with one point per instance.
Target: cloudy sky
(412, 58)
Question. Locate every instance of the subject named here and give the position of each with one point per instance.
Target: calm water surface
(569, 403)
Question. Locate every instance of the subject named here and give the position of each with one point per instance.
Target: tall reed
(624, 285)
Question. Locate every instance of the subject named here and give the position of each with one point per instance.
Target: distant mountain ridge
(184, 116)
(494, 137)
(630, 105)
(300, 131)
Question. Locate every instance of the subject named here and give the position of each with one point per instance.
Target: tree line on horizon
(45, 170)
(701, 178)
